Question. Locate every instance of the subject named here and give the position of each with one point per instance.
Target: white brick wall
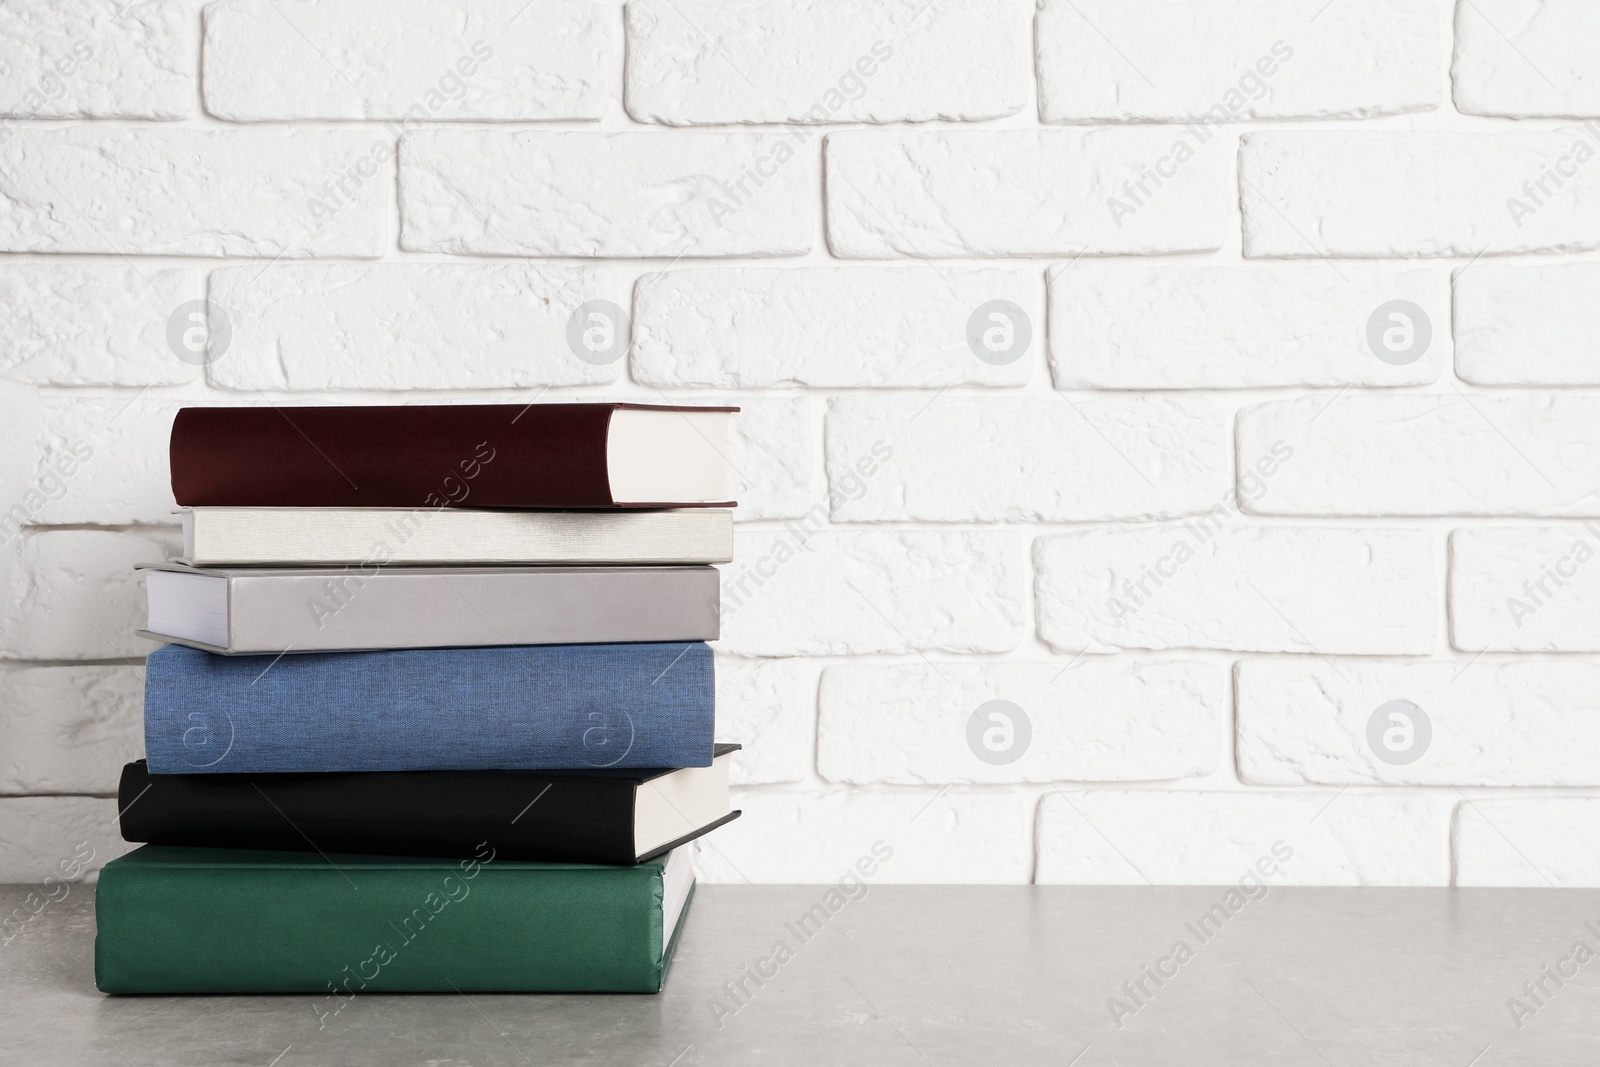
(694, 62)
(73, 323)
(1221, 61)
(162, 191)
(799, 591)
(1208, 584)
(81, 59)
(1523, 59)
(1528, 325)
(1234, 327)
(1544, 842)
(88, 460)
(330, 326)
(416, 60)
(487, 192)
(1525, 589)
(822, 326)
(1098, 721)
(770, 466)
(62, 837)
(74, 594)
(768, 706)
(1393, 194)
(1194, 512)
(1020, 193)
(1437, 454)
(816, 836)
(1489, 723)
(69, 729)
(1182, 838)
(982, 459)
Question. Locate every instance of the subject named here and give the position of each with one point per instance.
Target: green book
(211, 920)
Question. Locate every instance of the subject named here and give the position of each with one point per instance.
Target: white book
(424, 536)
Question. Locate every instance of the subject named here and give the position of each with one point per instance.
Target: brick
(980, 459)
(1525, 589)
(1116, 837)
(491, 192)
(1093, 721)
(771, 462)
(1025, 192)
(417, 60)
(197, 192)
(817, 61)
(921, 836)
(1221, 61)
(1527, 325)
(331, 326)
(69, 459)
(61, 838)
(1206, 584)
(1539, 842)
(69, 729)
(74, 324)
(770, 707)
(1131, 326)
(1497, 724)
(74, 594)
(756, 328)
(1521, 59)
(1395, 193)
(1434, 454)
(71, 59)
(803, 591)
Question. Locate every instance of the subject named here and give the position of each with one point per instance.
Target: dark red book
(456, 455)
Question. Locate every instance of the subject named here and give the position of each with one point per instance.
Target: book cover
(190, 920)
(307, 609)
(519, 707)
(597, 816)
(451, 455)
(405, 536)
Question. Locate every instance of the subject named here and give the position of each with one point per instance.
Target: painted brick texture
(1168, 433)
(1221, 61)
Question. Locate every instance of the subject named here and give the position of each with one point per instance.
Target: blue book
(517, 707)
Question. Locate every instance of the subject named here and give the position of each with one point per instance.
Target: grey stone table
(927, 975)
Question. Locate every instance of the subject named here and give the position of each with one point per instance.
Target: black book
(587, 816)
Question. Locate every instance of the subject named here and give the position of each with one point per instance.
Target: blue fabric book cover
(520, 707)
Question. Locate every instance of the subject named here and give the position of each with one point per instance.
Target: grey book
(422, 536)
(255, 610)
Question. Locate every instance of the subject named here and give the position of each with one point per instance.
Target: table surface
(923, 975)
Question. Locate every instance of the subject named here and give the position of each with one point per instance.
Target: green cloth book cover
(190, 920)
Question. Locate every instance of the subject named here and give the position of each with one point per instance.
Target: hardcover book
(193, 920)
(254, 610)
(455, 455)
(517, 707)
(598, 816)
(401, 536)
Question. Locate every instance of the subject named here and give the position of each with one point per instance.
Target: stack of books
(437, 709)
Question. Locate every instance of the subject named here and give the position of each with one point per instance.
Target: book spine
(389, 608)
(468, 455)
(427, 813)
(342, 930)
(541, 707)
(374, 537)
